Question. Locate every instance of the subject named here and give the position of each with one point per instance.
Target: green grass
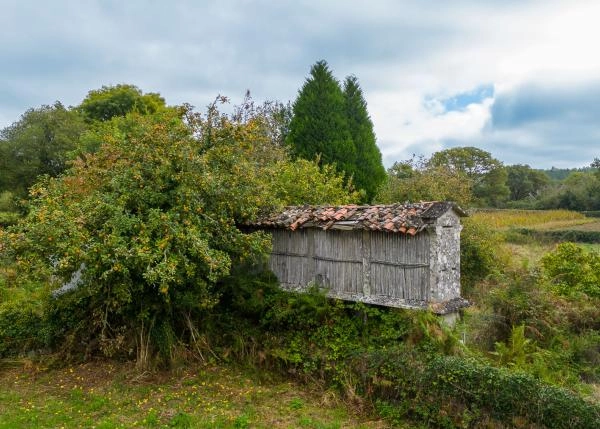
(113, 395)
(590, 247)
(592, 225)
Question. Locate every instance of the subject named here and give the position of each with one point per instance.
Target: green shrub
(21, 328)
(573, 270)
(586, 355)
(452, 391)
(508, 395)
(519, 298)
(522, 323)
(481, 253)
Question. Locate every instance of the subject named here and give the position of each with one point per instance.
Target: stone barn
(401, 255)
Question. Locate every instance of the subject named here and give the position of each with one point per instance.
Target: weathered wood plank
(365, 250)
(398, 263)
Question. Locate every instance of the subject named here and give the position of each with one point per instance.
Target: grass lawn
(114, 395)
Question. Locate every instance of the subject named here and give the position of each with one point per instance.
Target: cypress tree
(319, 126)
(369, 172)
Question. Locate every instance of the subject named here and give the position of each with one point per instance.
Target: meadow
(105, 394)
(545, 219)
(529, 234)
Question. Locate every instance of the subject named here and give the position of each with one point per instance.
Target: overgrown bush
(394, 358)
(453, 391)
(151, 220)
(481, 254)
(22, 328)
(522, 323)
(572, 270)
(516, 299)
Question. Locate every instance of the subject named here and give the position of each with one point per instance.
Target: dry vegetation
(551, 219)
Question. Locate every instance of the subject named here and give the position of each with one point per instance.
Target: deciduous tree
(417, 180)
(472, 161)
(523, 181)
(39, 143)
(118, 100)
(486, 173)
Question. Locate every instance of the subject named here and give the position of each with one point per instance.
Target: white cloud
(402, 52)
(546, 42)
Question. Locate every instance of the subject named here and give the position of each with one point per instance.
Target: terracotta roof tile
(403, 218)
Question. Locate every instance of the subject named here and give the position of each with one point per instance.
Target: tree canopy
(38, 143)
(369, 172)
(418, 180)
(118, 100)
(319, 127)
(525, 182)
(486, 174)
(472, 161)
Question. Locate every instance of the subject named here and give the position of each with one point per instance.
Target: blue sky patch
(460, 101)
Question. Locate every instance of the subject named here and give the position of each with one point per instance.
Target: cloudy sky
(520, 79)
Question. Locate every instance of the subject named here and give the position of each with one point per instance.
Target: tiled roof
(403, 218)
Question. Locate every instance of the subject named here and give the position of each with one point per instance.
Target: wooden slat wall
(400, 265)
(354, 262)
(338, 256)
(289, 259)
